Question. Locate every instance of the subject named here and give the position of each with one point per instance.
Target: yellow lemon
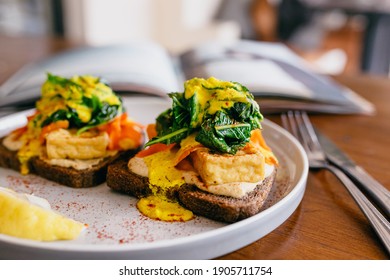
(30, 217)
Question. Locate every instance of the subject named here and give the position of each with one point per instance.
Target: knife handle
(376, 219)
(379, 194)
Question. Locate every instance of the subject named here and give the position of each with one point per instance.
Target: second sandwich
(205, 156)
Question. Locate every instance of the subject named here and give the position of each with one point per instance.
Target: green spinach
(224, 134)
(101, 112)
(101, 115)
(225, 131)
(61, 81)
(62, 114)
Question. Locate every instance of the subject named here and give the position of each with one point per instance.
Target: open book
(276, 76)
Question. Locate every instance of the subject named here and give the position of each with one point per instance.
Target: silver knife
(378, 193)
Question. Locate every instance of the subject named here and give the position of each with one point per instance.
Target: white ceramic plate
(118, 231)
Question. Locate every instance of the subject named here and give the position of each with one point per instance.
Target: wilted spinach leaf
(225, 130)
(63, 82)
(172, 124)
(247, 112)
(224, 134)
(93, 102)
(174, 136)
(196, 111)
(101, 115)
(164, 121)
(62, 114)
(180, 112)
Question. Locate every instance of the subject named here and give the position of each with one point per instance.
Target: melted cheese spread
(77, 164)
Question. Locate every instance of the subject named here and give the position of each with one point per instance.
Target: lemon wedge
(30, 217)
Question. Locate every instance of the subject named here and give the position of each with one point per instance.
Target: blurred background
(334, 36)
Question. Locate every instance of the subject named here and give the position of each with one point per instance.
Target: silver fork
(298, 123)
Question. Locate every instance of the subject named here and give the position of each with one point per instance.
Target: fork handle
(377, 220)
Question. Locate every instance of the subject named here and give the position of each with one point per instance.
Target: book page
(269, 70)
(260, 76)
(136, 67)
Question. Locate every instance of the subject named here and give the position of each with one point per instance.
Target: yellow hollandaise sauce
(161, 209)
(61, 93)
(80, 103)
(162, 173)
(31, 218)
(213, 95)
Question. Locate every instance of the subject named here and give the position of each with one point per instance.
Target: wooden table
(327, 224)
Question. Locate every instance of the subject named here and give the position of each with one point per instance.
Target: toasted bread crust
(72, 177)
(216, 207)
(121, 179)
(224, 208)
(67, 176)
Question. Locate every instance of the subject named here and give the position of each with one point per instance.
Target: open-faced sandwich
(205, 155)
(78, 128)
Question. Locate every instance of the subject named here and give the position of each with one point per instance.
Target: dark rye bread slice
(121, 179)
(67, 176)
(224, 208)
(72, 177)
(216, 207)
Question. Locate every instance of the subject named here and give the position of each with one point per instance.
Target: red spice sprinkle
(151, 205)
(104, 235)
(174, 215)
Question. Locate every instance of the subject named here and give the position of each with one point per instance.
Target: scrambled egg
(31, 218)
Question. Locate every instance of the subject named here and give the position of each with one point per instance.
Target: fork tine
(286, 123)
(302, 125)
(298, 123)
(291, 122)
(311, 132)
(283, 117)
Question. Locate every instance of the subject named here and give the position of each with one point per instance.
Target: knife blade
(378, 193)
